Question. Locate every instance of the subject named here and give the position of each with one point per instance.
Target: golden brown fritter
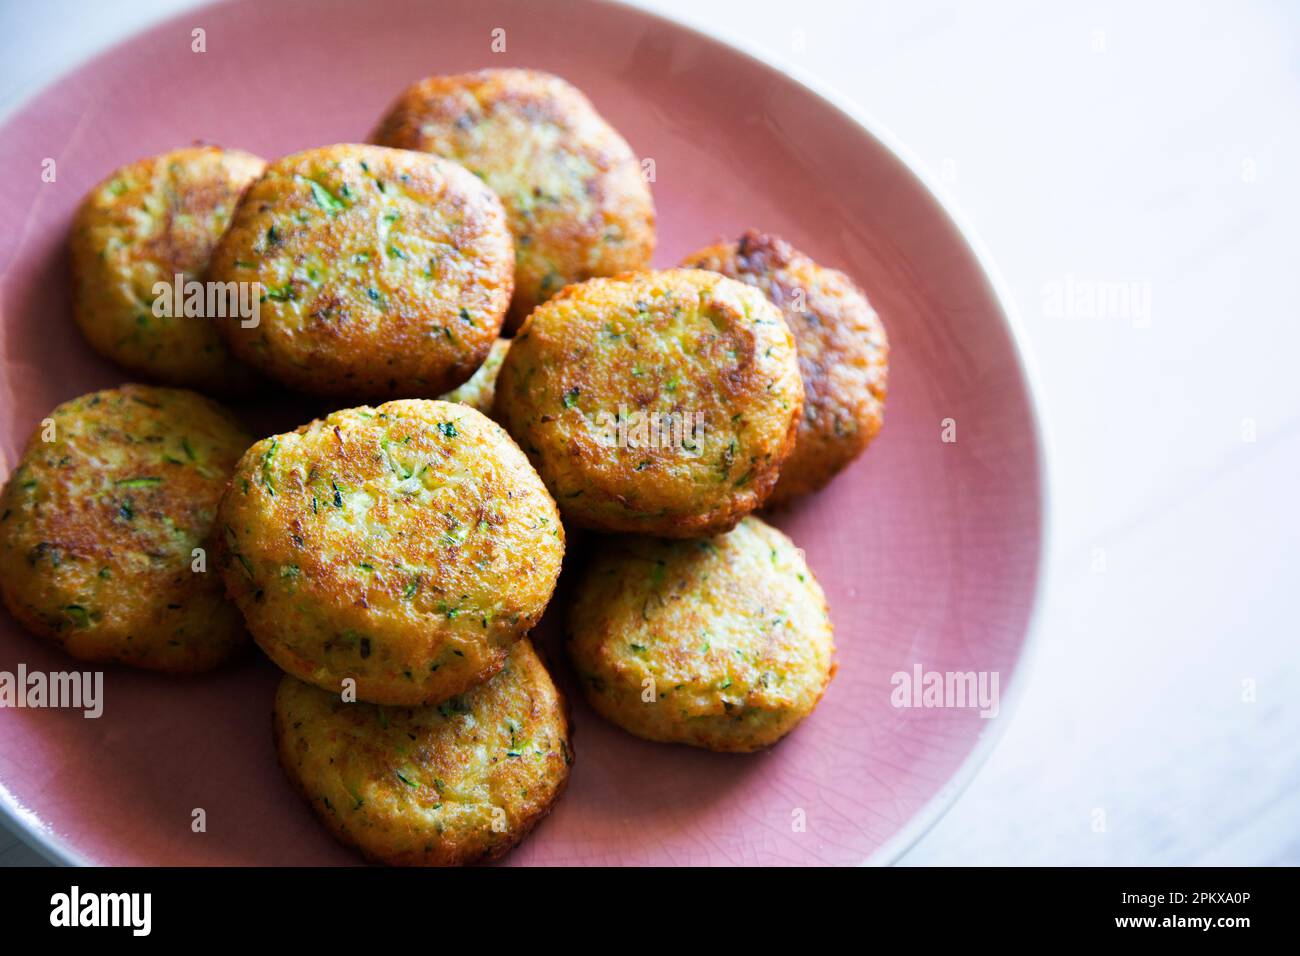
(383, 272)
(655, 402)
(99, 527)
(146, 223)
(723, 643)
(574, 193)
(843, 354)
(463, 782)
(406, 547)
(481, 389)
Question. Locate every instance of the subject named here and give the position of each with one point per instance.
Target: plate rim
(15, 816)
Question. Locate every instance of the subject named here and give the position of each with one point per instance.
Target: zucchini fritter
(385, 273)
(406, 547)
(654, 403)
(99, 525)
(462, 782)
(723, 643)
(146, 223)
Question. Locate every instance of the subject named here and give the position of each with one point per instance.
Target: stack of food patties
(392, 558)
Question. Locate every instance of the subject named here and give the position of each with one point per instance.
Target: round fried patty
(457, 783)
(383, 272)
(723, 643)
(145, 224)
(656, 403)
(404, 547)
(105, 525)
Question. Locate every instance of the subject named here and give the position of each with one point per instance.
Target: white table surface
(1150, 143)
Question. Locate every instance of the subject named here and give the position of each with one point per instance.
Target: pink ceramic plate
(929, 551)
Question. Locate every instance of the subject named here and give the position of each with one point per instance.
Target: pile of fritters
(391, 558)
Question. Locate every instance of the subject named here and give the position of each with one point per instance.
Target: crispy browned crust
(99, 525)
(406, 547)
(681, 343)
(574, 192)
(417, 786)
(385, 272)
(843, 354)
(145, 223)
